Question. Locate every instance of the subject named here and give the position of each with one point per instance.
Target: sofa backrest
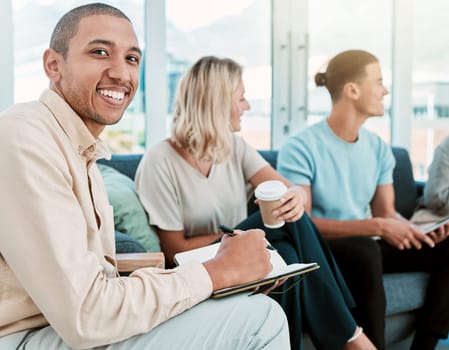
(125, 163)
(405, 189)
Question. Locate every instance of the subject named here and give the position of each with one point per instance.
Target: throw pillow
(129, 215)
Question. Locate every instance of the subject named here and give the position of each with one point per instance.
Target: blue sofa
(404, 291)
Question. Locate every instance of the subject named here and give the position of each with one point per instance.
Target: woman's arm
(173, 242)
(268, 173)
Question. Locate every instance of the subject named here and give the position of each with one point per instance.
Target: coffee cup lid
(270, 190)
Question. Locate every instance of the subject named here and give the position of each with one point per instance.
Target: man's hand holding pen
(231, 233)
(240, 259)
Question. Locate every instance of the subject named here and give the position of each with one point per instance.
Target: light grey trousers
(232, 323)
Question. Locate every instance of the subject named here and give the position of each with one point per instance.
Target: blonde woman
(199, 178)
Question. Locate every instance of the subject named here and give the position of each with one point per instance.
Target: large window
(430, 83)
(335, 26)
(239, 29)
(34, 21)
(257, 34)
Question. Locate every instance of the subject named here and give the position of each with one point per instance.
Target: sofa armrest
(128, 262)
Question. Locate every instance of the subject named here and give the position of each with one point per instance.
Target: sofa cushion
(126, 244)
(129, 216)
(405, 291)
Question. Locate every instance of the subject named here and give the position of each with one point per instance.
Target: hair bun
(320, 79)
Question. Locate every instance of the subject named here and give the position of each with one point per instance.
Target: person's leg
(322, 299)
(291, 301)
(325, 297)
(12, 341)
(360, 261)
(433, 318)
(236, 322)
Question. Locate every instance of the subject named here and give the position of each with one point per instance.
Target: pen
(227, 230)
(230, 232)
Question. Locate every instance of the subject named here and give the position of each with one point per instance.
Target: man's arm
(385, 223)
(332, 229)
(395, 229)
(59, 261)
(46, 246)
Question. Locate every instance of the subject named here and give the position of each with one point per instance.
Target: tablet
(432, 226)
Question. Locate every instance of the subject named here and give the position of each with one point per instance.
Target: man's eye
(134, 59)
(100, 52)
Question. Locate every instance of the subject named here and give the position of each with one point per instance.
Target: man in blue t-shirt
(348, 173)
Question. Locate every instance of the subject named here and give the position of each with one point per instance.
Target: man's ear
(351, 90)
(52, 64)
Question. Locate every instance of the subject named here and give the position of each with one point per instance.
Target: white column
(289, 72)
(402, 68)
(280, 72)
(155, 72)
(7, 55)
(299, 66)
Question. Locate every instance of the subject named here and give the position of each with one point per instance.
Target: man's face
(372, 91)
(100, 74)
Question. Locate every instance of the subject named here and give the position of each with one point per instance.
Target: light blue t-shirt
(343, 176)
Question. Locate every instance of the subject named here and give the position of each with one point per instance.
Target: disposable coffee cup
(268, 194)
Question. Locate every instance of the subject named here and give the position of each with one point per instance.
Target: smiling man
(59, 287)
(347, 172)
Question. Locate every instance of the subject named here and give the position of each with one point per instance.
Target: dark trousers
(321, 302)
(362, 261)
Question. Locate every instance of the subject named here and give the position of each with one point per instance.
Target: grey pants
(231, 323)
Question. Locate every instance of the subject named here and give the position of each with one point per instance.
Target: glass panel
(430, 83)
(335, 26)
(239, 29)
(34, 21)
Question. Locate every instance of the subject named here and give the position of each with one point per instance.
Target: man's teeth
(113, 94)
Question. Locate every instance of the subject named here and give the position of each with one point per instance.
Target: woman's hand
(292, 204)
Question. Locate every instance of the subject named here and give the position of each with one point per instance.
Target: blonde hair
(347, 66)
(201, 121)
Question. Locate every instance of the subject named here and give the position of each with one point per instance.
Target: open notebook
(280, 269)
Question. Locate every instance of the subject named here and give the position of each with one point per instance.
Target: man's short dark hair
(67, 26)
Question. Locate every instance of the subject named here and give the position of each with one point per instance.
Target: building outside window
(430, 83)
(238, 29)
(243, 30)
(336, 26)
